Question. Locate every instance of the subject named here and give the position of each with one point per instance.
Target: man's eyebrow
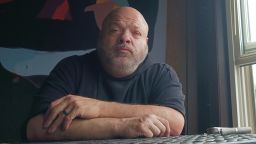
(115, 23)
(137, 27)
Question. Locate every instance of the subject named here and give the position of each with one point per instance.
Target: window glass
(252, 20)
(248, 22)
(254, 82)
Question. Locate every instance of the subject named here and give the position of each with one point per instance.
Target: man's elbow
(177, 127)
(35, 131)
(176, 131)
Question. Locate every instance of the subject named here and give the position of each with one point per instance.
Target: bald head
(128, 14)
(122, 44)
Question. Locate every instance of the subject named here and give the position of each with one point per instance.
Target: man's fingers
(53, 104)
(56, 123)
(155, 130)
(69, 118)
(147, 132)
(168, 130)
(159, 123)
(166, 125)
(53, 113)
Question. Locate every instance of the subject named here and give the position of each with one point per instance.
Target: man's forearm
(118, 110)
(100, 128)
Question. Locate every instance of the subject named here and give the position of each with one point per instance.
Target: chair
(16, 100)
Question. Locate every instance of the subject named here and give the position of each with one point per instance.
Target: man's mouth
(124, 49)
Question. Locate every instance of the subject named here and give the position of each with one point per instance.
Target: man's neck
(119, 71)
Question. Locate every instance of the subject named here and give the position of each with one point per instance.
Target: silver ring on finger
(65, 112)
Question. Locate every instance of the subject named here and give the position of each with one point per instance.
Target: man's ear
(147, 40)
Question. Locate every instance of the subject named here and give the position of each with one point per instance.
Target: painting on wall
(36, 34)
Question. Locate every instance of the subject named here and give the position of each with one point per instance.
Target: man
(115, 91)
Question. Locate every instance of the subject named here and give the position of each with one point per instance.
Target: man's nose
(125, 37)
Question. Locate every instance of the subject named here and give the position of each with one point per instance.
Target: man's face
(124, 41)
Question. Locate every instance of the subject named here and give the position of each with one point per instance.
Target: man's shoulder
(149, 64)
(158, 70)
(160, 67)
(79, 59)
(77, 63)
(87, 55)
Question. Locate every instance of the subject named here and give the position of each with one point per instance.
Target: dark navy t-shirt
(151, 83)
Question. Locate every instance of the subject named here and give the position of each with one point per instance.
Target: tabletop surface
(200, 138)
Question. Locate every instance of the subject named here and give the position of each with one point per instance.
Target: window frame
(241, 83)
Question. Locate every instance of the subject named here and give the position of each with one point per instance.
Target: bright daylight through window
(248, 13)
(241, 24)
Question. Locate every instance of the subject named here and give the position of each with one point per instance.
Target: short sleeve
(167, 90)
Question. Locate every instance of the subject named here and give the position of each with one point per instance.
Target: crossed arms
(89, 118)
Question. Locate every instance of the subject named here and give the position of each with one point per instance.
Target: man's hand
(65, 109)
(144, 126)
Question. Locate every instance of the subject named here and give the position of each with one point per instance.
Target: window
(248, 23)
(241, 24)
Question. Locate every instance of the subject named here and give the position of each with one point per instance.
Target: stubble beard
(121, 64)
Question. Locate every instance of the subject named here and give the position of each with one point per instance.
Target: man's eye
(114, 30)
(137, 33)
